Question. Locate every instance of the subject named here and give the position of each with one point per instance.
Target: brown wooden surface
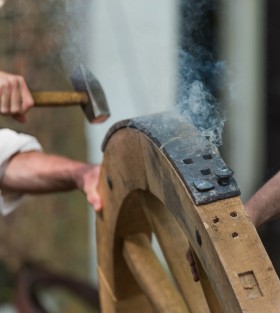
(174, 245)
(148, 272)
(138, 183)
(208, 291)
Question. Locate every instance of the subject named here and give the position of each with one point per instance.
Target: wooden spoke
(145, 267)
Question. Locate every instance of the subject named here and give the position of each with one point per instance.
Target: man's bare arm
(264, 205)
(36, 172)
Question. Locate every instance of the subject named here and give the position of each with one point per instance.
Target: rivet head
(203, 184)
(224, 173)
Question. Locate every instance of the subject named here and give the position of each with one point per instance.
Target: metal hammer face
(96, 110)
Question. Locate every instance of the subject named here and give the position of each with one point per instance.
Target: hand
(36, 172)
(191, 261)
(87, 182)
(15, 97)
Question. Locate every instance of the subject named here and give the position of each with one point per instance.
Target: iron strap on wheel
(197, 161)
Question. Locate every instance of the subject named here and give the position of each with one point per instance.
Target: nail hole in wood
(198, 237)
(110, 182)
(216, 220)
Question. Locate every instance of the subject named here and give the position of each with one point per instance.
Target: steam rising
(75, 45)
(68, 20)
(200, 73)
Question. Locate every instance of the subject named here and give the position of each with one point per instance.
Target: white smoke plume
(68, 22)
(76, 44)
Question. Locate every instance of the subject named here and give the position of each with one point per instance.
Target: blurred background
(132, 48)
(50, 230)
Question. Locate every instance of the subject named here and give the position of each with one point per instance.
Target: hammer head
(96, 110)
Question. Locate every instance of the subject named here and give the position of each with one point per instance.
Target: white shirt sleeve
(12, 143)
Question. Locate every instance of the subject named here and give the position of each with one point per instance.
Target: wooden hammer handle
(59, 98)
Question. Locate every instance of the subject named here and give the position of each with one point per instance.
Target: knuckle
(27, 103)
(13, 82)
(20, 78)
(4, 85)
(8, 87)
(4, 109)
(14, 110)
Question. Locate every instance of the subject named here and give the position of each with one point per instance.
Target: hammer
(89, 95)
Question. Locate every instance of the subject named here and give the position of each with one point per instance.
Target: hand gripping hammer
(89, 95)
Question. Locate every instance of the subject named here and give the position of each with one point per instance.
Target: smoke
(68, 21)
(201, 74)
(76, 26)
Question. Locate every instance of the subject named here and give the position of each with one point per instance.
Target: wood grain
(59, 98)
(144, 193)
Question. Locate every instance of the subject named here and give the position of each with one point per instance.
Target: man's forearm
(264, 206)
(36, 172)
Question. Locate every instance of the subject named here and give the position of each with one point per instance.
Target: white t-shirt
(12, 143)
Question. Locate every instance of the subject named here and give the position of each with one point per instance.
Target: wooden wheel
(148, 184)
